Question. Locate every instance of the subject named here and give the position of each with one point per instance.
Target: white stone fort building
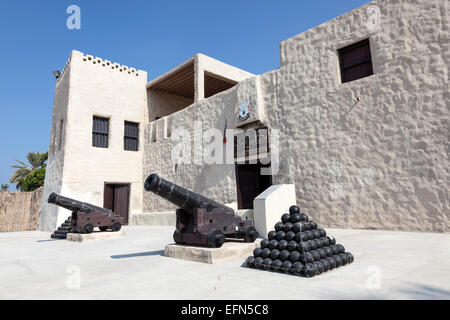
(359, 105)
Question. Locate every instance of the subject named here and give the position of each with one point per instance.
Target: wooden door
(121, 201)
(250, 183)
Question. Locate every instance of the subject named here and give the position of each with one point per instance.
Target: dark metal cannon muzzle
(181, 197)
(200, 220)
(75, 205)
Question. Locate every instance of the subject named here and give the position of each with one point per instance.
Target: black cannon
(86, 216)
(201, 221)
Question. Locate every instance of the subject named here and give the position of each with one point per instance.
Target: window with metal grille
(355, 61)
(131, 136)
(100, 130)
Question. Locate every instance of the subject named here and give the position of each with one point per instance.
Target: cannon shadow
(139, 254)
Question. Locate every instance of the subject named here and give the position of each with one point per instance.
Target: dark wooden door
(121, 200)
(250, 183)
(116, 197)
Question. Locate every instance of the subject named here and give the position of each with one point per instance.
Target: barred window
(355, 61)
(100, 131)
(131, 136)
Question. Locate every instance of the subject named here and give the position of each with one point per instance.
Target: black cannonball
(316, 233)
(271, 235)
(328, 251)
(258, 262)
(350, 257)
(303, 247)
(315, 254)
(322, 253)
(319, 266)
(344, 258)
(274, 254)
(290, 236)
(264, 243)
(341, 248)
(294, 209)
(335, 249)
(265, 253)
(295, 217)
(318, 242)
(257, 252)
(267, 263)
(288, 226)
(250, 261)
(313, 225)
(282, 244)
(284, 255)
(280, 235)
(276, 264)
(338, 260)
(325, 241)
(323, 233)
(306, 258)
(294, 256)
(285, 217)
(279, 226)
(332, 262)
(310, 270)
(312, 245)
(326, 264)
(307, 226)
(297, 268)
(297, 227)
(331, 240)
(303, 217)
(292, 245)
(273, 244)
(301, 237)
(286, 266)
(309, 235)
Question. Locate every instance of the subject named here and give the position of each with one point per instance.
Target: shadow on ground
(139, 254)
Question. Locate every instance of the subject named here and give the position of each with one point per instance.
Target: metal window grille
(100, 131)
(355, 61)
(131, 136)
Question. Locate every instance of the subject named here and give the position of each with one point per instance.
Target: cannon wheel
(215, 238)
(250, 234)
(87, 228)
(116, 226)
(103, 228)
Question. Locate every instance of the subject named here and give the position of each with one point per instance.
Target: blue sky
(150, 35)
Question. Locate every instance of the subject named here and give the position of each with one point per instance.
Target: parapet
(104, 63)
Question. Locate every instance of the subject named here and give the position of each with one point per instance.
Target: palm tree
(4, 187)
(36, 160)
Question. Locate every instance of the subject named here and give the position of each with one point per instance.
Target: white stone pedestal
(229, 250)
(82, 237)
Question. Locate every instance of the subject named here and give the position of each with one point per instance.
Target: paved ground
(388, 265)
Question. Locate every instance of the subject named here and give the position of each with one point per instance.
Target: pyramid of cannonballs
(299, 247)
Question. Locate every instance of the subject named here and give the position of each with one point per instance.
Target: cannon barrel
(74, 205)
(183, 198)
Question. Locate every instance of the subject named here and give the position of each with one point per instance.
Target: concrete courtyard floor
(388, 265)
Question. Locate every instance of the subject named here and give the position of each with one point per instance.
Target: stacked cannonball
(299, 247)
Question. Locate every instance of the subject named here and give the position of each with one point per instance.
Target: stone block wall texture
(371, 153)
(19, 211)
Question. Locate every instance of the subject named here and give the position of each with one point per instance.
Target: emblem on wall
(243, 111)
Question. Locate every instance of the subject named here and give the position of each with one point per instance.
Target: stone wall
(19, 211)
(371, 153)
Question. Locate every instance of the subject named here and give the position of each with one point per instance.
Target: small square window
(100, 131)
(355, 61)
(131, 136)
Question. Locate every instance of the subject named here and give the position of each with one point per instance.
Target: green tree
(4, 187)
(37, 161)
